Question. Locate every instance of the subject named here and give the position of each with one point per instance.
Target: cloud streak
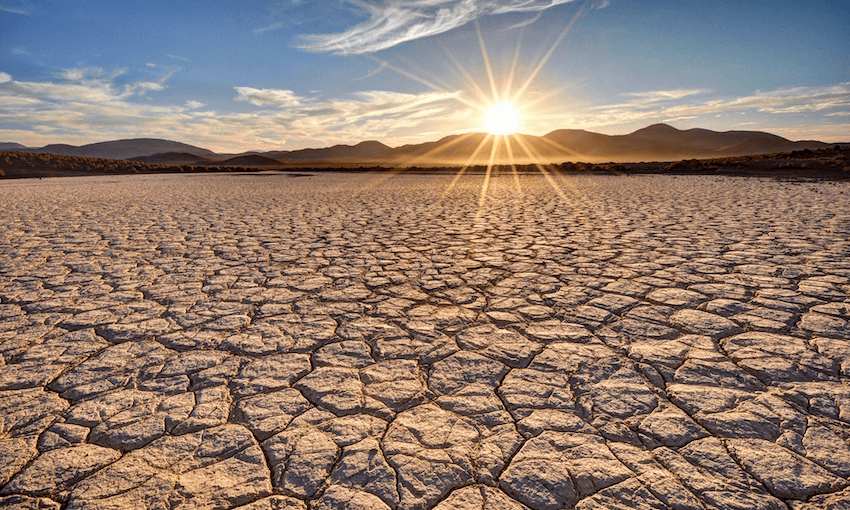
(269, 28)
(267, 97)
(392, 22)
(659, 104)
(93, 108)
(23, 10)
(665, 95)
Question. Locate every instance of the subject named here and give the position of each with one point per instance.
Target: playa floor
(377, 341)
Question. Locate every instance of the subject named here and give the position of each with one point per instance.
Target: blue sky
(280, 75)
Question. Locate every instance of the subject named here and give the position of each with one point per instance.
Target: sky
(240, 75)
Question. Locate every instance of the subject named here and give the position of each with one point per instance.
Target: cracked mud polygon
(345, 341)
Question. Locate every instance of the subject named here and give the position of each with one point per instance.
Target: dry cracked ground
(376, 341)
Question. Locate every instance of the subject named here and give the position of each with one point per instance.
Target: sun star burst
(501, 119)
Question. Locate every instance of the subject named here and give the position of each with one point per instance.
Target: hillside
(11, 146)
(121, 149)
(248, 160)
(659, 142)
(172, 158)
(370, 150)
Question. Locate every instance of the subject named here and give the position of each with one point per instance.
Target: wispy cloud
(267, 97)
(268, 28)
(665, 95)
(94, 80)
(143, 87)
(88, 74)
(89, 85)
(95, 109)
(529, 21)
(392, 22)
(178, 57)
(24, 8)
(658, 105)
(373, 72)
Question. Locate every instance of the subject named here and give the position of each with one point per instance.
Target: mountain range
(659, 142)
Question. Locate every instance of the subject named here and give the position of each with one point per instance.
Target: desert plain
(377, 340)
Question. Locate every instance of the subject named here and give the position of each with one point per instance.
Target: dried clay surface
(380, 341)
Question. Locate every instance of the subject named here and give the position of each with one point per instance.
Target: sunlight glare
(501, 119)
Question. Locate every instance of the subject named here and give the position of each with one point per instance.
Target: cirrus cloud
(666, 104)
(267, 97)
(392, 22)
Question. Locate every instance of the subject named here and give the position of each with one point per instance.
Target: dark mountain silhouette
(663, 142)
(122, 149)
(659, 142)
(11, 146)
(364, 150)
(247, 160)
(172, 158)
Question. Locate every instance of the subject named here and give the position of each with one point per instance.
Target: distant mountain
(363, 150)
(248, 160)
(658, 142)
(661, 142)
(123, 149)
(172, 158)
(11, 146)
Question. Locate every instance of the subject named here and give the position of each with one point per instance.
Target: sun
(501, 119)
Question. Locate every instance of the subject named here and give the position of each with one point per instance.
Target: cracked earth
(372, 342)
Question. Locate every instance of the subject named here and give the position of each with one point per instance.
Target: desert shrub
(685, 164)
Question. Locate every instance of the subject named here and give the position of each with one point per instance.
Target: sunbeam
(559, 146)
(487, 63)
(588, 208)
(546, 174)
(513, 165)
(423, 81)
(486, 183)
(510, 81)
(468, 163)
(482, 96)
(438, 148)
(549, 53)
